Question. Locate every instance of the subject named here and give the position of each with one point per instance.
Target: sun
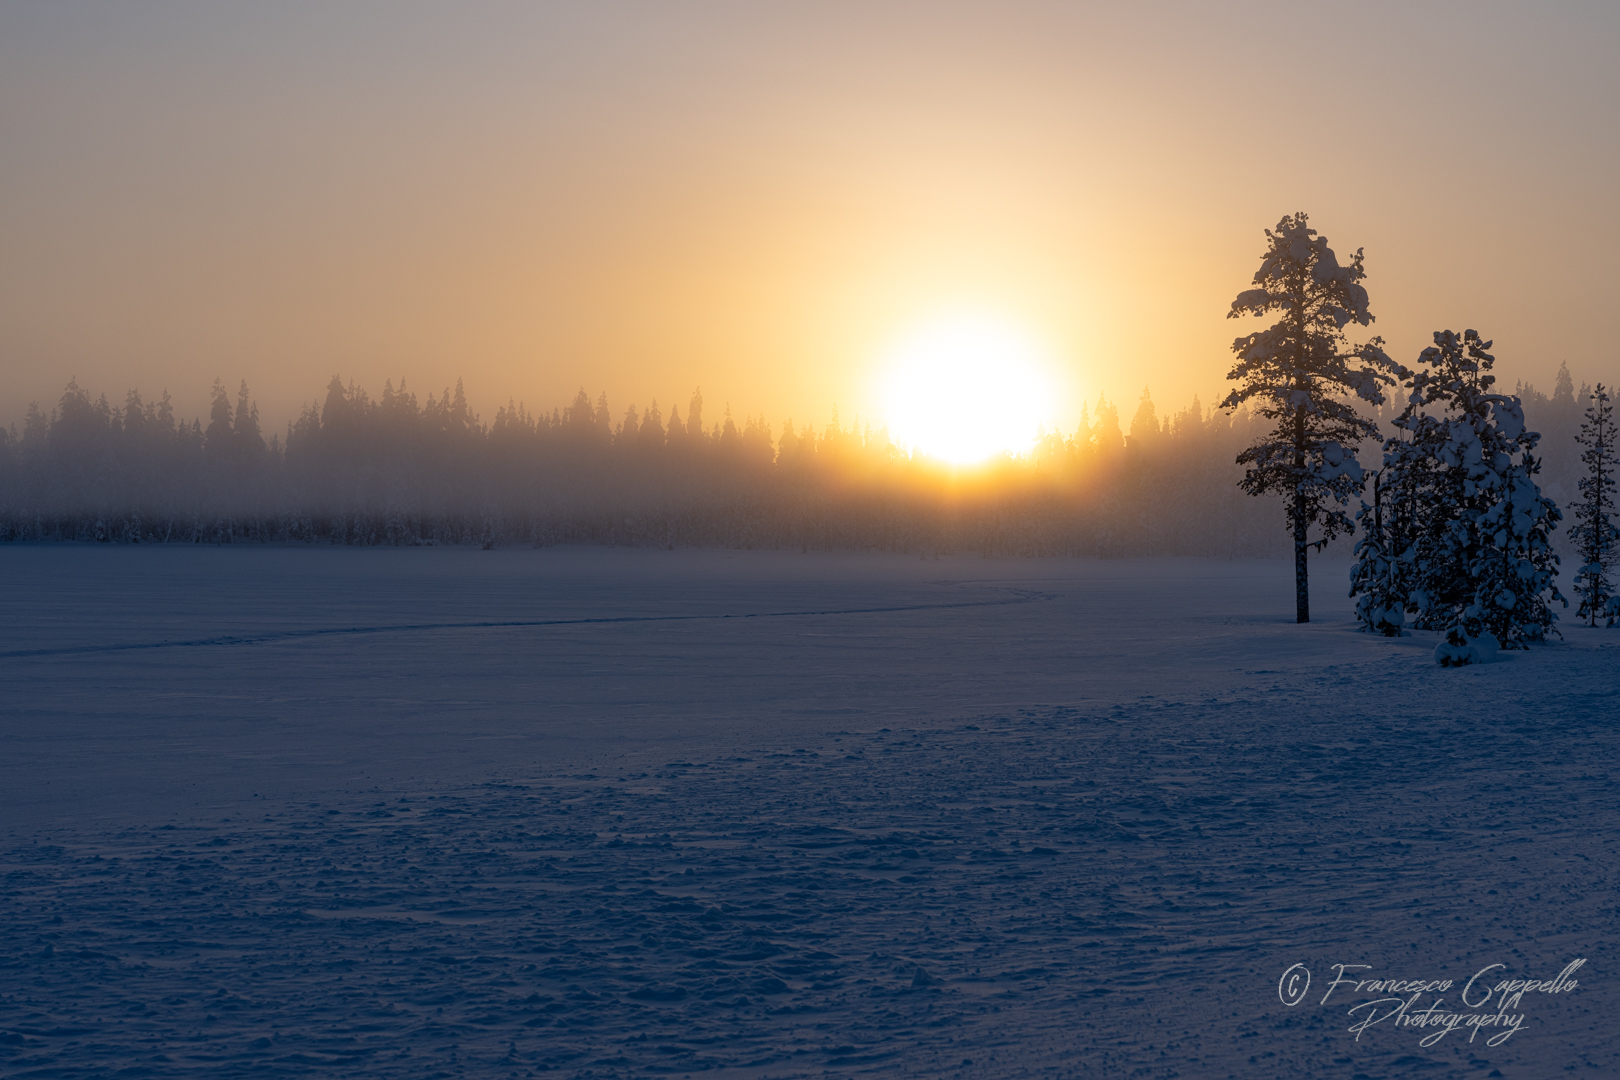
(966, 386)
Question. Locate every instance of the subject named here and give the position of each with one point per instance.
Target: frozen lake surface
(442, 812)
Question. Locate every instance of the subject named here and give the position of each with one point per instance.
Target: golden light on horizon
(965, 386)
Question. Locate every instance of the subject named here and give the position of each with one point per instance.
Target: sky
(761, 199)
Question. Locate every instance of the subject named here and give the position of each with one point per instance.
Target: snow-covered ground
(439, 812)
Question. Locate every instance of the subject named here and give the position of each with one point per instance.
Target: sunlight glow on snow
(966, 386)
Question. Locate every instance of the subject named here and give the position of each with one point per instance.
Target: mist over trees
(402, 468)
(398, 469)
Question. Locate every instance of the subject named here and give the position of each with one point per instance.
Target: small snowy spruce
(1300, 374)
(1597, 540)
(1382, 574)
(1464, 529)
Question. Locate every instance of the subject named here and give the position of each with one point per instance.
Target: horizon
(1163, 408)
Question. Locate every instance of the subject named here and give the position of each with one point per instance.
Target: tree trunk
(1302, 584)
(1302, 523)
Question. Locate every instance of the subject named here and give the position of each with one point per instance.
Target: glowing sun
(964, 387)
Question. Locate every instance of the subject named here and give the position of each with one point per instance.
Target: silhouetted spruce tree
(694, 418)
(1107, 440)
(629, 428)
(1298, 373)
(245, 428)
(730, 442)
(1145, 424)
(219, 435)
(1561, 407)
(650, 439)
(1596, 537)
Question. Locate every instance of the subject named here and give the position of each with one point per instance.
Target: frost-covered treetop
(1301, 280)
(1299, 257)
(1455, 371)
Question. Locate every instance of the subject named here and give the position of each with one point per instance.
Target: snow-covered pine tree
(1298, 373)
(1481, 561)
(1597, 540)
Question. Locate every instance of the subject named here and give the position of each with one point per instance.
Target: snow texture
(610, 813)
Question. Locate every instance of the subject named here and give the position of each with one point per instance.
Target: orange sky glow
(759, 200)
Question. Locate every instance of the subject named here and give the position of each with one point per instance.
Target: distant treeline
(396, 470)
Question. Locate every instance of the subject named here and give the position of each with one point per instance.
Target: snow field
(1081, 827)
